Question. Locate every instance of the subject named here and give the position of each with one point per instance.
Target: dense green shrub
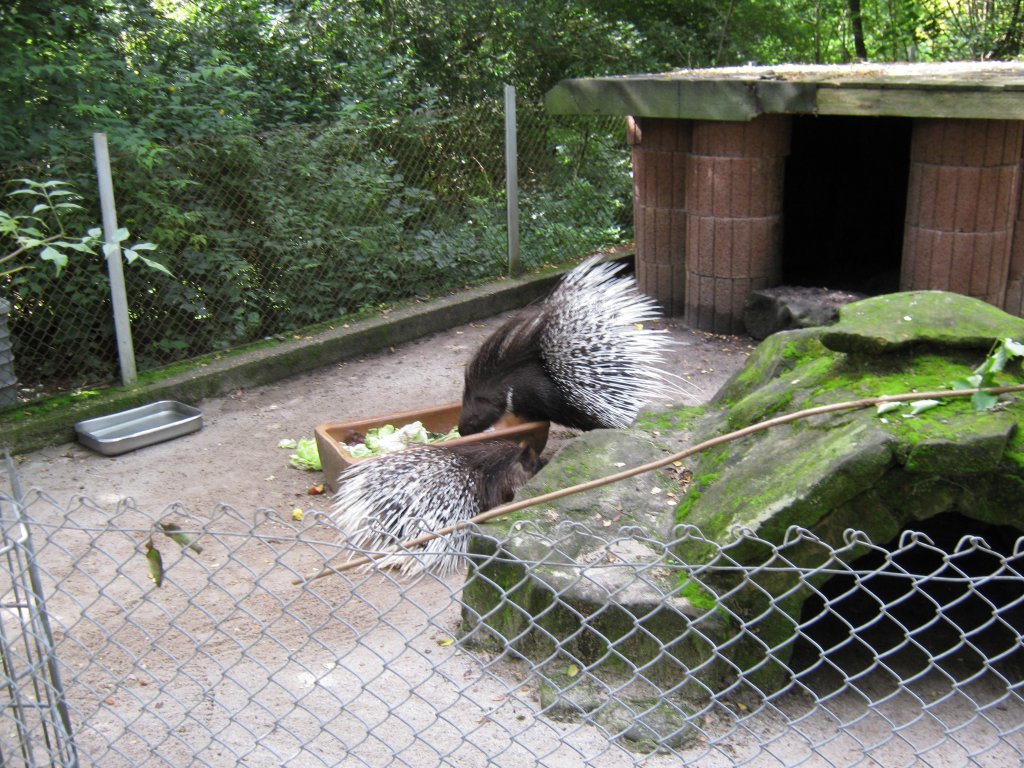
(266, 233)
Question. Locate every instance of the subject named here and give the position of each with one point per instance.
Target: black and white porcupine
(396, 497)
(581, 358)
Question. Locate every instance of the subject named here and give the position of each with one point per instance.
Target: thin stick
(515, 506)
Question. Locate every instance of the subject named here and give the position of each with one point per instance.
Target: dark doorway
(845, 203)
(953, 601)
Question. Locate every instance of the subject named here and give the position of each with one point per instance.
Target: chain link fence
(269, 235)
(201, 638)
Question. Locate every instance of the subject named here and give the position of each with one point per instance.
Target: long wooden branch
(515, 506)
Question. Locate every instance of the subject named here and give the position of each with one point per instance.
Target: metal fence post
(112, 249)
(512, 181)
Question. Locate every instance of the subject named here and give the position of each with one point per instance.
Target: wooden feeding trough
(333, 439)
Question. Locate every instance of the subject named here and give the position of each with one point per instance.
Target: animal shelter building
(869, 178)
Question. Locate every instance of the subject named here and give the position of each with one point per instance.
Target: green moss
(856, 377)
(766, 403)
(706, 471)
(774, 357)
(792, 480)
(698, 595)
(22, 411)
(1015, 450)
(687, 504)
(894, 322)
(674, 419)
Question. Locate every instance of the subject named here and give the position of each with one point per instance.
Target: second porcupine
(580, 358)
(396, 497)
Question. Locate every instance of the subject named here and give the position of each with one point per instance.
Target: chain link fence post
(515, 266)
(112, 252)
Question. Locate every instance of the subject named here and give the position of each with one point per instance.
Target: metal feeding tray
(138, 427)
(332, 439)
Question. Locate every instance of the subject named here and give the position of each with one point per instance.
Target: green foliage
(983, 377)
(59, 304)
(40, 233)
(166, 71)
(298, 162)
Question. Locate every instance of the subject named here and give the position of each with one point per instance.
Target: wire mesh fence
(201, 638)
(272, 233)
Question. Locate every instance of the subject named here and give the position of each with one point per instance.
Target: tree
(857, 25)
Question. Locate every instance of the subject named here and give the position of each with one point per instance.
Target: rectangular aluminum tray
(138, 427)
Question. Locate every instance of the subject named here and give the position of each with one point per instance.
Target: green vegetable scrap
(389, 439)
(306, 456)
(155, 563)
(174, 532)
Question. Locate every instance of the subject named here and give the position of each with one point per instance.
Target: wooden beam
(930, 102)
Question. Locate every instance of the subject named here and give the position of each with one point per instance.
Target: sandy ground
(230, 663)
(235, 459)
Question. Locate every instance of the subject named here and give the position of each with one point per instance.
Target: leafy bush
(265, 233)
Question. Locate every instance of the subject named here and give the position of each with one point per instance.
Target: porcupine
(396, 497)
(580, 358)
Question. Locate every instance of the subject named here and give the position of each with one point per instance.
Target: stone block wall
(659, 151)
(962, 204)
(708, 212)
(734, 186)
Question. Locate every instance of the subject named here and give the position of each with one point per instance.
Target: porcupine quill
(582, 358)
(392, 498)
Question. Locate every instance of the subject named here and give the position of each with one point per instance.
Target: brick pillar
(734, 186)
(1014, 303)
(962, 200)
(659, 151)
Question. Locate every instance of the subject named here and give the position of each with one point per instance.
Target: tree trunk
(857, 22)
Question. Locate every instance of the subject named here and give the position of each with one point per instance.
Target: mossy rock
(852, 469)
(895, 321)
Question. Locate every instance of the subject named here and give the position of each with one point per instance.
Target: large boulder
(785, 307)
(598, 598)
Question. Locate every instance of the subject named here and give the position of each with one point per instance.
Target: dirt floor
(231, 663)
(225, 616)
(235, 458)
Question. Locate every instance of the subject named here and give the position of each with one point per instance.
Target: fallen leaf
(182, 539)
(156, 563)
(919, 406)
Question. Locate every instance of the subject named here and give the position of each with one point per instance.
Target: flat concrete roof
(980, 90)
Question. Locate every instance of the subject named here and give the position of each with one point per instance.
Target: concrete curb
(33, 426)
